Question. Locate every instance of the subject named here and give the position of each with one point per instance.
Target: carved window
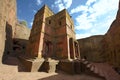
(60, 23)
(49, 21)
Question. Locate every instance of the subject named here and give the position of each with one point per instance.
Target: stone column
(77, 51)
(74, 50)
(68, 45)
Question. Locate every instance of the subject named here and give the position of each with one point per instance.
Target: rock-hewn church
(53, 36)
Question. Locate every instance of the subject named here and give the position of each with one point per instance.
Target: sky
(91, 17)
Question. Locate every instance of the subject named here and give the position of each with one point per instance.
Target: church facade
(53, 36)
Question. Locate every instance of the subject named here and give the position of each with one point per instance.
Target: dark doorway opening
(71, 48)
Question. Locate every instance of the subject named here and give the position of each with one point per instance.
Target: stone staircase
(102, 70)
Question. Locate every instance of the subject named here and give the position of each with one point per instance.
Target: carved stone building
(53, 36)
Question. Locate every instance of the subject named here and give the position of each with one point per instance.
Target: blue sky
(91, 17)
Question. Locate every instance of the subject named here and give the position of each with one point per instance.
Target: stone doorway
(76, 50)
(71, 47)
(47, 49)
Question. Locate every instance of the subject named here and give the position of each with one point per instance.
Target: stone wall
(90, 48)
(20, 40)
(21, 32)
(104, 48)
(111, 42)
(7, 25)
(3, 4)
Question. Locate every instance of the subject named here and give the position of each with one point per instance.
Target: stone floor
(13, 72)
(106, 70)
(103, 70)
(8, 72)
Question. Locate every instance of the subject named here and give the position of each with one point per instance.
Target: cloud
(95, 16)
(98, 28)
(34, 11)
(78, 9)
(31, 23)
(89, 2)
(83, 22)
(38, 2)
(67, 3)
(61, 4)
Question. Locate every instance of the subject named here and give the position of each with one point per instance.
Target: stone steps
(92, 68)
(103, 70)
(101, 73)
(85, 62)
(89, 65)
(96, 70)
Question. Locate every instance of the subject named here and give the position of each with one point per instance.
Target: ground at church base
(8, 72)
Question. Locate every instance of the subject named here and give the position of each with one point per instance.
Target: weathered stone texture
(111, 42)
(31, 65)
(21, 32)
(2, 27)
(49, 66)
(7, 21)
(90, 48)
(71, 67)
(104, 48)
(20, 40)
(11, 14)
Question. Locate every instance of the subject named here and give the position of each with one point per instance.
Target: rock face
(2, 28)
(21, 32)
(90, 48)
(21, 36)
(10, 29)
(7, 25)
(103, 48)
(111, 42)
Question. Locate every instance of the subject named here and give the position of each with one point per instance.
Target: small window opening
(49, 21)
(60, 23)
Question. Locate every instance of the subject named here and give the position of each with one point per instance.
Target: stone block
(78, 67)
(67, 66)
(49, 66)
(32, 65)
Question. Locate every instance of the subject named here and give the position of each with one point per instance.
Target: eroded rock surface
(90, 48)
(111, 42)
(7, 25)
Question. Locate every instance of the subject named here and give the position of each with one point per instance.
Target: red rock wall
(90, 48)
(111, 42)
(50, 35)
